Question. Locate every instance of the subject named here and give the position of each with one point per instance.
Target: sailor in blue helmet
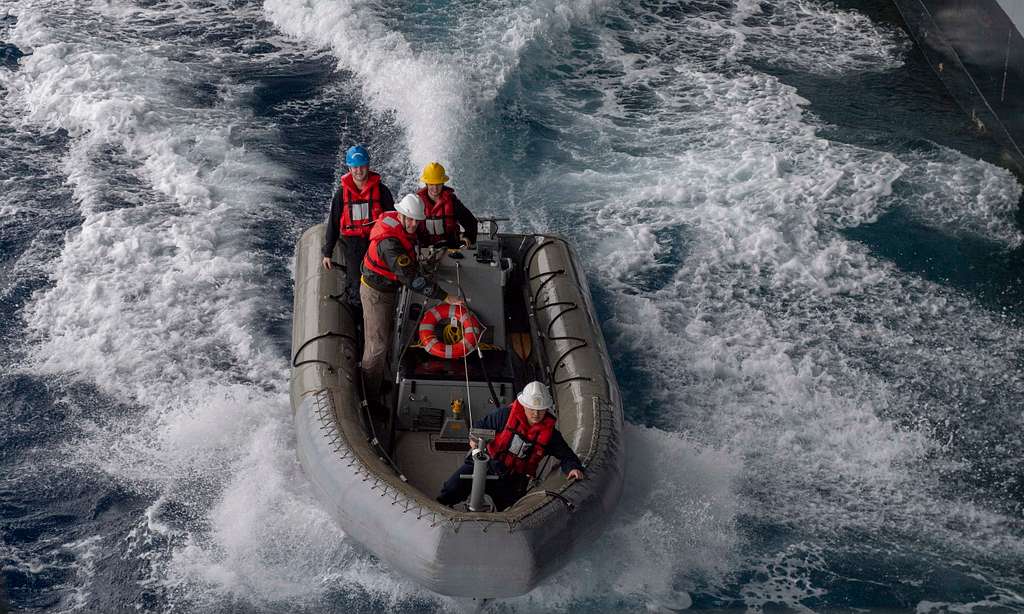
(360, 199)
(525, 434)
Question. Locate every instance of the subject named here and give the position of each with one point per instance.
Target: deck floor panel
(425, 468)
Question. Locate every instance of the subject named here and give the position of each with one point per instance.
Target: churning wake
(800, 405)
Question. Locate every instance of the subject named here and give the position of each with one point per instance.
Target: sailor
(444, 211)
(360, 199)
(526, 433)
(390, 261)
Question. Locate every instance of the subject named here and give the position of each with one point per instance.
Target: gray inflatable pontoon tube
(453, 552)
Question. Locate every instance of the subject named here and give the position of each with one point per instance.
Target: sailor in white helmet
(525, 434)
(390, 262)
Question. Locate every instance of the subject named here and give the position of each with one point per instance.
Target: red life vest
(537, 434)
(359, 207)
(440, 224)
(388, 226)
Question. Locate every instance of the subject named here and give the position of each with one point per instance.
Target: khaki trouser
(378, 318)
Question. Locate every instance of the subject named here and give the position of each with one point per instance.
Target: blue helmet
(357, 156)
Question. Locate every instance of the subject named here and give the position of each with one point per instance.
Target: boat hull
(481, 555)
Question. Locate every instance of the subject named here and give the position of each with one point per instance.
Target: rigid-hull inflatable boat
(378, 466)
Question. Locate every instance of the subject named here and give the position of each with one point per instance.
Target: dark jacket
(391, 252)
(387, 202)
(557, 447)
(463, 216)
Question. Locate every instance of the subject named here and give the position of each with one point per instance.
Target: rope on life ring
(459, 337)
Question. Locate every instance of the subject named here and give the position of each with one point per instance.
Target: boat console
(427, 385)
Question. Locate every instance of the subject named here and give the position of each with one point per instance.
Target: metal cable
(465, 357)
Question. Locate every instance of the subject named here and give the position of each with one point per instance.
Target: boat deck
(424, 466)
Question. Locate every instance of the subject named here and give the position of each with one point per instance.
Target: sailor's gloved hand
(430, 258)
(451, 299)
(497, 467)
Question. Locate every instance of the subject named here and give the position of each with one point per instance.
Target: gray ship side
(976, 48)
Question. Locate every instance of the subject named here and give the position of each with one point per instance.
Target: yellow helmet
(433, 174)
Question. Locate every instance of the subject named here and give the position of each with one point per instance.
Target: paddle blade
(522, 345)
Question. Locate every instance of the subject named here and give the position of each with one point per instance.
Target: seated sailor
(525, 434)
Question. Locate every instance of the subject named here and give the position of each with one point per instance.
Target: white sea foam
(822, 368)
(30, 184)
(998, 600)
(73, 562)
(159, 301)
(792, 368)
(435, 93)
(675, 524)
(85, 553)
(811, 37)
(963, 197)
(162, 291)
(786, 579)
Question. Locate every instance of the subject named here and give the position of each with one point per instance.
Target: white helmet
(411, 206)
(535, 395)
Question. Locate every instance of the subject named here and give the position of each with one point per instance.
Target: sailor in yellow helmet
(444, 211)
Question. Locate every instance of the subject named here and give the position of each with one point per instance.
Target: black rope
(550, 276)
(487, 378)
(556, 304)
(573, 306)
(374, 441)
(569, 505)
(317, 338)
(536, 251)
(582, 344)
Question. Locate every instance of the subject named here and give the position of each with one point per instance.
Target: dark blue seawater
(806, 259)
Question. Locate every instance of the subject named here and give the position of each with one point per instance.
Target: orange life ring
(468, 331)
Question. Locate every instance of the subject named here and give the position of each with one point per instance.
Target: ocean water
(808, 267)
